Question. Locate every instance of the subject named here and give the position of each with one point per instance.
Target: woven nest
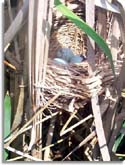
(71, 80)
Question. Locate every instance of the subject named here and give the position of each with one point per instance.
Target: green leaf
(87, 29)
(7, 119)
(118, 140)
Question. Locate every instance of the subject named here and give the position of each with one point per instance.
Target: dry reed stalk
(91, 145)
(31, 65)
(90, 19)
(15, 159)
(52, 145)
(68, 121)
(75, 125)
(40, 61)
(12, 59)
(88, 138)
(22, 154)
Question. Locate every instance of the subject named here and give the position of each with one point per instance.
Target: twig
(22, 154)
(68, 121)
(89, 137)
(12, 59)
(92, 144)
(120, 155)
(75, 125)
(49, 139)
(9, 65)
(14, 159)
(51, 145)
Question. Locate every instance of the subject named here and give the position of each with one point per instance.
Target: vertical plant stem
(31, 67)
(94, 100)
(115, 39)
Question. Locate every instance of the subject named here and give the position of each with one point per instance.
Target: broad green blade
(7, 119)
(118, 140)
(87, 29)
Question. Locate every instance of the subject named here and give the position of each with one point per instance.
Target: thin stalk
(76, 125)
(22, 154)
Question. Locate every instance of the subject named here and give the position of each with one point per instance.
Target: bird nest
(72, 80)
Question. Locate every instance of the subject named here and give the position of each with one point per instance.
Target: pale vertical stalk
(115, 39)
(42, 59)
(90, 19)
(40, 39)
(47, 36)
(39, 60)
(31, 47)
(42, 44)
(31, 52)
